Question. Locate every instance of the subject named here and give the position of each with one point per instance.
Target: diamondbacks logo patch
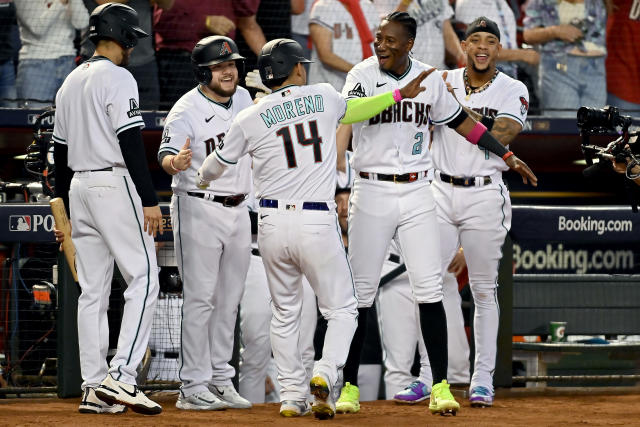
(357, 91)
(524, 107)
(225, 49)
(134, 110)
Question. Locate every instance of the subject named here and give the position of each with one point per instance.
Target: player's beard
(217, 89)
(477, 70)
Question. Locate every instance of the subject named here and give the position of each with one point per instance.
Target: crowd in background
(569, 53)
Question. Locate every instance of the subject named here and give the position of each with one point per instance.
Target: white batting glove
(200, 182)
(253, 80)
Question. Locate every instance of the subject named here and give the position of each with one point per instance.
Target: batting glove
(253, 80)
(200, 182)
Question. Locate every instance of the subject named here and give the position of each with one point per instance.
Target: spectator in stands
(570, 35)
(623, 56)
(178, 29)
(47, 30)
(434, 28)
(142, 63)
(7, 68)
(342, 36)
(501, 13)
(300, 26)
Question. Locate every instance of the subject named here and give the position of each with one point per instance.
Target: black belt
(463, 181)
(226, 201)
(407, 177)
(109, 169)
(312, 206)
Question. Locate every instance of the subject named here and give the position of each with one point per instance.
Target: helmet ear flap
(202, 74)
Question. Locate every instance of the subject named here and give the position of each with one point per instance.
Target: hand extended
(182, 160)
(521, 167)
(152, 220)
(254, 80)
(413, 88)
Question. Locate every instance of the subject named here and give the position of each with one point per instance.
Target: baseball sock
(352, 366)
(433, 322)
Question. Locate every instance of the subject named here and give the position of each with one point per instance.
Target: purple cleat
(414, 393)
(481, 397)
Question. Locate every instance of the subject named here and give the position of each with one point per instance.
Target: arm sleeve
(321, 14)
(364, 108)
(515, 104)
(134, 156)
(532, 17)
(63, 173)
(245, 8)
(356, 85)
(234, 145)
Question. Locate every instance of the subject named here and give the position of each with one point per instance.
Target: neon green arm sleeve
(360, 109)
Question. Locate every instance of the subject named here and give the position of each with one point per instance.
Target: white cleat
(229, 395)
(294, 408)
(91, 404)
(112, 391)
(202, 401)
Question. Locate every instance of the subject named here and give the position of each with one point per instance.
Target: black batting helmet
(212, 50)
(116, 22)
(278, 57)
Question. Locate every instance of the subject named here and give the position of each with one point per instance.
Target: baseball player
(473, 205)
(255, 317)
(342, 34)
(114, 209)
(211, 228)
(391, 196)
(290, 134)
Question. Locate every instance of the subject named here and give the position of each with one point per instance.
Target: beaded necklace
(467, 87)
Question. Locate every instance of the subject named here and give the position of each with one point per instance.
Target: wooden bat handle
(63, 224)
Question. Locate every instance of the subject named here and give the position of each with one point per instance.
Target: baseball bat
(63, 224)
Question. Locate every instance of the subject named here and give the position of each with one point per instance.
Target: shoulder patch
(134, 110)
(357, 91)
(524, 105)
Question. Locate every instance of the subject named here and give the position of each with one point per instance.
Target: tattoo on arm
(505, 130)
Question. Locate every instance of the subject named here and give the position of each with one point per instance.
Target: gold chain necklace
(467, 86)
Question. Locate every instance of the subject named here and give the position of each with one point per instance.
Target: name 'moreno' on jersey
(291, 135)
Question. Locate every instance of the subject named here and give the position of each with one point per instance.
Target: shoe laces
(416, 386)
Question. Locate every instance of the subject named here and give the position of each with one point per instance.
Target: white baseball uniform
(96, 102)
(395, 142)
(345, 41)
(212, 238)
(499, 12)
(290, 134)
(477, 217)
(255, 318)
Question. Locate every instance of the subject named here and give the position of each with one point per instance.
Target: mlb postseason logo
(20, 223)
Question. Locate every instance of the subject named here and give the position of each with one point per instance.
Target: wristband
(488, 122)
(507, 155)
(175, 169)
(478, 130)
(397, 97)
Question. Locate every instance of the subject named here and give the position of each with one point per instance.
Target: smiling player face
(224, 78)
(392, 46)
(482, 51)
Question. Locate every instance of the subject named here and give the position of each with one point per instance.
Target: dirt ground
(511, 408)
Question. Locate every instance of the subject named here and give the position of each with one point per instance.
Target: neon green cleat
(442, 401)
(349, 401)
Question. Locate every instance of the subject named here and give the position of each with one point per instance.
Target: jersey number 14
(314, 139)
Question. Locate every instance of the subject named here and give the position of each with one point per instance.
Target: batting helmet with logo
(278, 57)
(212, 50)
(116, 22)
